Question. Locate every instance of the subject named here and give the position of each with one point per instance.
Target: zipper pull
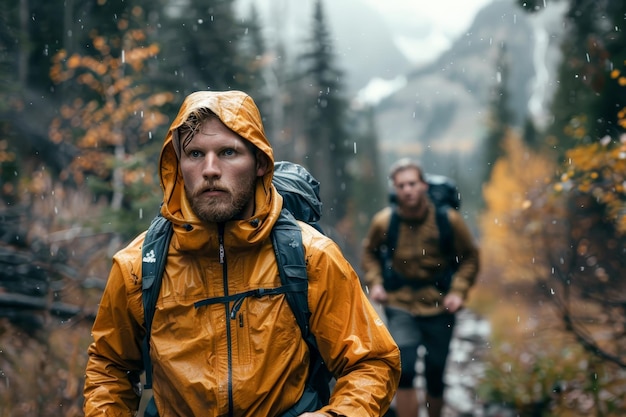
(220, 234)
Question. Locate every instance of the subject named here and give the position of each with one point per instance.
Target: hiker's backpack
(301, 201)
(444, 194)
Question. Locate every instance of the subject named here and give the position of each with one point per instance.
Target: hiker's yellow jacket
(206, 363)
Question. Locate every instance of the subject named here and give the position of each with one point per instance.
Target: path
(464, 367)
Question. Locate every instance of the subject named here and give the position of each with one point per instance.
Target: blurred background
(522, 103)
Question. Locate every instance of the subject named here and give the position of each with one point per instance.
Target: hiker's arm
(467, 250)
(352, 338)
(115, 351)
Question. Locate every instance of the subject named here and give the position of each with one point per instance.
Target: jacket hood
(239, 113)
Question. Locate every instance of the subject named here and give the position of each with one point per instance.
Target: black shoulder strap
(290, 257)
(393, 231)
(446, 240)
(154, 256)
(387, 251)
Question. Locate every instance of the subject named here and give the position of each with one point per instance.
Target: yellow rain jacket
(256, 364)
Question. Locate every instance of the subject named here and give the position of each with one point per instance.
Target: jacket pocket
(243, 336)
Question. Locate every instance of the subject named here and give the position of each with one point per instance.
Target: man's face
(220, 173)
(410, 189)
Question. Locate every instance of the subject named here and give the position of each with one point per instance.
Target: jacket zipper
(222, 255)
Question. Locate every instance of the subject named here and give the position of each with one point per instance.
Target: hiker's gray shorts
(432, 332)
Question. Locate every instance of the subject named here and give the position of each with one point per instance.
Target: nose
(211, 167)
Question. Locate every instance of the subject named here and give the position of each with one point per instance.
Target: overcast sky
(425, 28)
(422, 28)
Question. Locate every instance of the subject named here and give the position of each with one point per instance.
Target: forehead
(212, 130)
(406, 175)
(214, 126)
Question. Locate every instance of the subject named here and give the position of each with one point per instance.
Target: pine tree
(500, 115)
(585, 103)
(329, 145)
(200, 41)
(258, 67)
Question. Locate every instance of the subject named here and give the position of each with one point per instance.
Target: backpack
(444, 194)
(301, 201)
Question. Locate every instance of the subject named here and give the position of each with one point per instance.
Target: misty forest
(89, 88)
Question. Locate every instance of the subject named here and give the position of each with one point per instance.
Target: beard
(228, 206)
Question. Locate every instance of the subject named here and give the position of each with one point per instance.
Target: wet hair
(194, 122)
(404, 164)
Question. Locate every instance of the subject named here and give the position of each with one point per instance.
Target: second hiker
(420, 311)
(245, 357)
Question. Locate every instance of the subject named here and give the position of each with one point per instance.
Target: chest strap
(238, 299)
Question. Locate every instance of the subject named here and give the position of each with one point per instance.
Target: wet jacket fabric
(206, 363)
(418, 257)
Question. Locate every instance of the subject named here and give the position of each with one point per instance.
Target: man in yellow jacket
(216, 171)
(419, 312)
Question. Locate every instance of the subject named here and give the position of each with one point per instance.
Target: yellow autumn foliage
(515, 215)
(118, 109)
(599, 169)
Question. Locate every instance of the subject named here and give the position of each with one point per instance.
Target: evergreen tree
(369, 192)
(500, 115)
(584, 105)
(584, 257)
(200, 41)
(255, 56)
(329, 145)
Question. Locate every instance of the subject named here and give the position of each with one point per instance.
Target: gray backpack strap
(154, 258)
(287, 242)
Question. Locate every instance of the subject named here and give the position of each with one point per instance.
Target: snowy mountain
(440, 112)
